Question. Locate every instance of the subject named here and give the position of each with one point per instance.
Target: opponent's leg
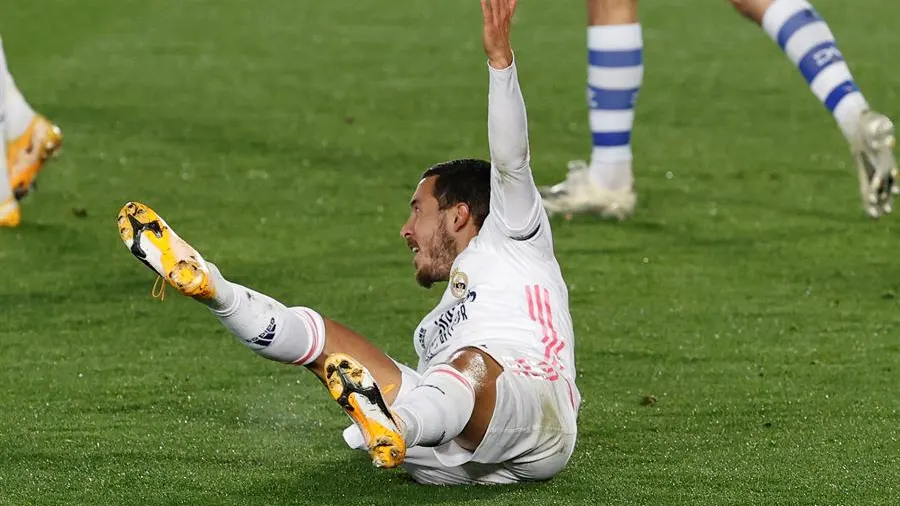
(31, 139)
(9, 208)
(808, 42)
(615, 74)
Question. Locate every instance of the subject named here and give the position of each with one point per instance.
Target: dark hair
(466, 181)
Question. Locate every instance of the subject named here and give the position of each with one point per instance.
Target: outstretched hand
(498, 16)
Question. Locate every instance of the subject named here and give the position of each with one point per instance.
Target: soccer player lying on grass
(493, 399)
(604, 186)
(27, 140)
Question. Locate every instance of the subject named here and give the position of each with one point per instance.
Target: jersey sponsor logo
(449, 319)
(422, 333)
(459, 283)
(444, 326)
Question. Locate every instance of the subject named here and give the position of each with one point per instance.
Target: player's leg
(441, 407)
(31, 139)
(615, 74)
(520, 425)
(359, 376)
(474, 420)
(810, 45)
(295, 335)
(453, 401)
(9, 207)
(298, 336)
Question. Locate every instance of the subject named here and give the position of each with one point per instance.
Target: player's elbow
(509, 163)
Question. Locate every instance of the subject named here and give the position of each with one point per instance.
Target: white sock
(437, 409)
(615, 75)
(18, 113)
(7, 200)
(806, 39)
(6, 193)
(268, 327)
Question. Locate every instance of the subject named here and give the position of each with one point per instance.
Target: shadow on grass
(354, 481)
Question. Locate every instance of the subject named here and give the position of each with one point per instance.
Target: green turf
(749, 295)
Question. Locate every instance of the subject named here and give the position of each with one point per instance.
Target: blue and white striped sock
(615, 74)
(806, 39)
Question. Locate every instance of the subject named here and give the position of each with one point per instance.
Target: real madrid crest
(459, 283)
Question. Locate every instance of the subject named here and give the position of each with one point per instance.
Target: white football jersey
(506, 289)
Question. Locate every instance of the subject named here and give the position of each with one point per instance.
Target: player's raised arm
(515, 201)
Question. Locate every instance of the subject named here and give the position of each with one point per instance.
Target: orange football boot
(26, 155)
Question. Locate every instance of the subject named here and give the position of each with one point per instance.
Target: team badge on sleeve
(459, 283)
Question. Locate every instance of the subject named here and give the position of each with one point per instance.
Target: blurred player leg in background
(30, 138)
(615, 73)
(9, 207)
(808, 42)
(605, 185)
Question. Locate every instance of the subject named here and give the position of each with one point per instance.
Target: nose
(406, 230)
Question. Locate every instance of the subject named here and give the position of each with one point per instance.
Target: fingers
(506, 9)
(498, 12)
(486, 11)
(501, 7)
(497, 20)
(492, 12)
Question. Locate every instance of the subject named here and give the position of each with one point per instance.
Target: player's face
(428, 236)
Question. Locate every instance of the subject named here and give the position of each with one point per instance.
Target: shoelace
(159, 289)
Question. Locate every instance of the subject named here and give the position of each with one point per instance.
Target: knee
(752, 9)
(477, 366)
(614, 4)
(482, 372)
(612, 12)
(742, 6)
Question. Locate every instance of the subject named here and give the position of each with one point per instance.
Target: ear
(462, 215)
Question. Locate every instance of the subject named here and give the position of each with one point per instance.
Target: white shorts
(530, 438)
